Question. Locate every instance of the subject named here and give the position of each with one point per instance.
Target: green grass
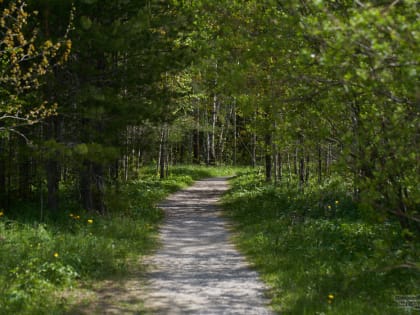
(308, 246)
(39, 259)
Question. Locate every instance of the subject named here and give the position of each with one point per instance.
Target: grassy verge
(40, 259)
(318, 253)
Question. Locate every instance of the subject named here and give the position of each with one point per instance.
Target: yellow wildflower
(48, 44)
(90, 221)
(1, 213)
(330, 296)
(77, 217)
(71, 215)
(329, 207)
(56, 255)
(337, 202)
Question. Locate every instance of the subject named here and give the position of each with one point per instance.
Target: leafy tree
(24, 62)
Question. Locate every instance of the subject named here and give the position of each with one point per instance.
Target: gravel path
(198, 270)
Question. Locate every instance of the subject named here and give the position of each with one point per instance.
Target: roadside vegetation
(318, 250)
(43, 260)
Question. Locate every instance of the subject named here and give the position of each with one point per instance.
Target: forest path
(198, 270)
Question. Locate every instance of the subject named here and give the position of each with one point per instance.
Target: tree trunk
(301, 170)
(319, 163)
(196, 139)
(275, 162)
(254, 142)
(280, 166)
(162, 154)
(2, 173)
(212, 149)
(307, 172)
(268, 157)
(52, 165)
(235, 139)
(24, 169)
(85, 185)
(53, 179)
(301, 163)
(99, 189)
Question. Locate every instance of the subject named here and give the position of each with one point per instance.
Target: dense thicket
(313, 90)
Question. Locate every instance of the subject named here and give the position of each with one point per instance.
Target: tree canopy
(311, 90)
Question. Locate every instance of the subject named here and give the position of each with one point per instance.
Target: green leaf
(85, 22)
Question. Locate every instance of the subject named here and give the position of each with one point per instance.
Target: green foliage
(25, 61)
(309, 245)
(38, 261)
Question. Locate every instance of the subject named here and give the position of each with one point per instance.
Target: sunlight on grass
(316, 251)
(38, 260)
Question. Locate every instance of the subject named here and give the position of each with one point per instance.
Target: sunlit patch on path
(198, 270)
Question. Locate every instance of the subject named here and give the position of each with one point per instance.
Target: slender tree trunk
(85, 185)
(9, 173)
(268, 157)
(162, 155)
(301, 164)
(52, 165)
(196, 139)
(125, 166)
(235, 135)
(280, 166)
(53, 180)
(99, 188)
(2, 173)
(24, 177)
(212, 153)
(221, 143)
(138, 160)
(275, 162)
(319, 163)
(254, 150)
(307, 171)
(301, 170)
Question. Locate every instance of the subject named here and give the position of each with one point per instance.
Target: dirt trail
(198, 270)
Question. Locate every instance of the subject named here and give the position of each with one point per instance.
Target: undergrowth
(319, 253)
(39, 258)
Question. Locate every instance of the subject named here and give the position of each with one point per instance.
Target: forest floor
(198, 270)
